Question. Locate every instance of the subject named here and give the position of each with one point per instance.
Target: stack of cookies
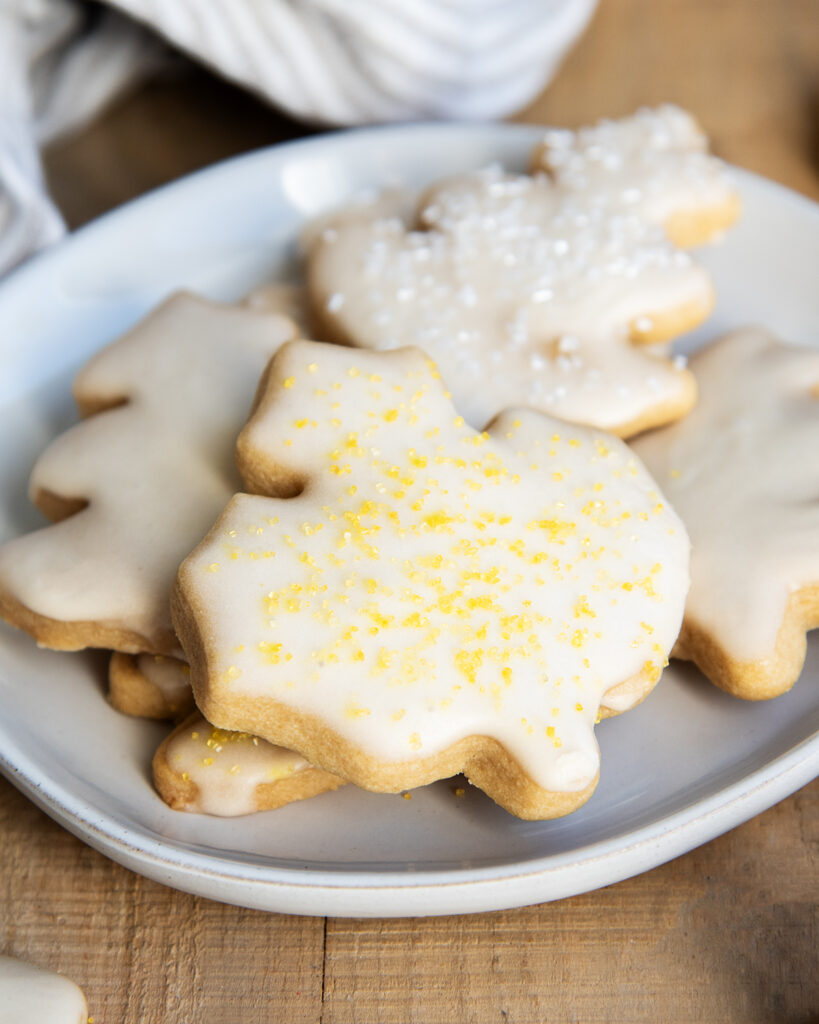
(422, 546)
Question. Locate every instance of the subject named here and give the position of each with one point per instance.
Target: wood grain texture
(726, 933)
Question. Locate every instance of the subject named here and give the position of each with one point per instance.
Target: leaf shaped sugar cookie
(526, 291)
(433, 599)
(743, 473)
(656, 161)
(139, 481)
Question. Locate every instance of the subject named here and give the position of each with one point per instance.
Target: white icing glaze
(29, 995)
(227, 767)
(433, 583)
(742, 470)
(526, 290)
(170, 676)
(278, 297)
(155, 470)
(655, 161)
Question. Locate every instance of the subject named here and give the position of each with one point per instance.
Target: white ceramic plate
(683, 767)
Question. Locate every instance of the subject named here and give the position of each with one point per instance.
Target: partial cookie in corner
(529, 291)
(31, 995)
(206, 770)
(433, 599)
(150, 686)
(140, 480)
(743, 473)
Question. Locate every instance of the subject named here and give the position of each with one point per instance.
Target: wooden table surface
(727, 933)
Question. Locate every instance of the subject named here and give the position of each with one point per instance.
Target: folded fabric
(327, 61)
(354, 61)
(62, 63)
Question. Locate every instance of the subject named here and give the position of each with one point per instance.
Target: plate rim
(359, 892)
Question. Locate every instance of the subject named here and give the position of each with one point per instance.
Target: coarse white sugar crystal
(568, 343)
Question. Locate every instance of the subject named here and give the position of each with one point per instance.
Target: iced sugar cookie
(434, 599)
(743, 472)
(526, 291)
(140, 480)
(30, 995)
(655, 162)
(212, 771)
(150, 686)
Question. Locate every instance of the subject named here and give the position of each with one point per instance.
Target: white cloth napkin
(59, 65)
(330, 61)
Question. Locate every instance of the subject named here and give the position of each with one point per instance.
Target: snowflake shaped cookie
(531, 291)
(433, 599)
(135, 484)
(743, 472)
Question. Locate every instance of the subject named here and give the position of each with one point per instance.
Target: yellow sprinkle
(652, 671)
(213, 567)
(407, 796)
(288, 382)
(312, 367)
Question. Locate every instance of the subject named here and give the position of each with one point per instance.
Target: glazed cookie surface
(435, 599)
(655, 162)
(30, 995)
(206, 770)
(136, 484)
(534, 291)
(743, 472)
